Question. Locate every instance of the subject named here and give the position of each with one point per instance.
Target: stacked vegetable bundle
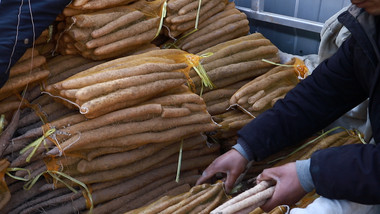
(223, 26)
(120, 146)
(111, 32)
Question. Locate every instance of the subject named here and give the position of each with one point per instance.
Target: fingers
(230, 180)
(269, 174)
(231, 163)
(207, 174)
(288, 188)
(272, 202)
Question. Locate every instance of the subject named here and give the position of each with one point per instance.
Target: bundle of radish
(223, 26)
(252, 101)
(248, 200)
(123, 82)
(199, 199)
(162, 119)
(236, 60)
(112, 32)
(183, 15)
(262, 92)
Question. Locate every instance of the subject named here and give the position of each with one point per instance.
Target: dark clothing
(16, 28)
(337, 85)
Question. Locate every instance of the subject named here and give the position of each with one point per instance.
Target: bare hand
(231, 163)
(288, 188)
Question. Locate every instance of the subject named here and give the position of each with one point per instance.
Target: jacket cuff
(304, 175)
(238, 147)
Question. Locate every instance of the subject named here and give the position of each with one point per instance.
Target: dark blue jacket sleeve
(22, 21)
(352, 173)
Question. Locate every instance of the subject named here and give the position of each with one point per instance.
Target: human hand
(288, 188)
(231, 163)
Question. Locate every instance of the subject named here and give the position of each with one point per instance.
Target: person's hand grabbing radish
(231, 163)
(288, 188)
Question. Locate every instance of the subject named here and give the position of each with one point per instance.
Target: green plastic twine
(36, 144)
(15, 169)
(357, 132)
(202, 72)
(163, 15)
(51, 31)
(2, 123)
(179, 162)
(55, 175)
(198, 11)
(273, 63)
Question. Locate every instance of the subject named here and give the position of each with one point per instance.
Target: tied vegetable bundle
(262, 92)
(237, 60)
(230, 65)
(112, 32)
(167, 118)
(183, 15)
(254, 97)
(123, 82)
